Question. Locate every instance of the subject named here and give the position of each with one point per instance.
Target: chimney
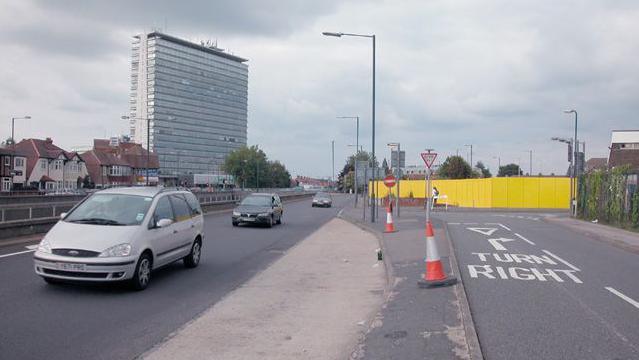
(48, 140)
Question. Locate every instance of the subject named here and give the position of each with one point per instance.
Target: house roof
(10, 151)
(125, 154)
(45, 178)
(596, 164)
(620, 157)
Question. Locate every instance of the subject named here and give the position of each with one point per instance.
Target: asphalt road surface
(41, 321)
(538, 290)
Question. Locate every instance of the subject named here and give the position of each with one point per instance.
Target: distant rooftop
(209, 49)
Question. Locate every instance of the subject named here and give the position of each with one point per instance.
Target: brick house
(12, 169)
(48, 167)
(624, 149)
(117, 162)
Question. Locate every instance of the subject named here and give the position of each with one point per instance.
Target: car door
(183, 224)
(162, 239)
(278, 209)
(198, 218)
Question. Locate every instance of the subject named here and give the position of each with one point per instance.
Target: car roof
(262, 194)
(139, 190)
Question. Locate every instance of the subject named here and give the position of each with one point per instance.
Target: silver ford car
(122, 234)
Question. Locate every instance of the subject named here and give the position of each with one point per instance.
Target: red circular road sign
(389, 181)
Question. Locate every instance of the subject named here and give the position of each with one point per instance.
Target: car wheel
(193, 258)
(235, 223)
(270, 222)
(142, 275)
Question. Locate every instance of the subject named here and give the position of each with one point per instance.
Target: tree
(510, 170)
(485, 172)
(279, 176)
(251, 168)
(455, 167)
(349, 167)
(385, 167)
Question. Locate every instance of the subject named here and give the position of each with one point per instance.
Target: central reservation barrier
(501, 192)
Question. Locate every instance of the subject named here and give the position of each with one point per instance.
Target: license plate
(71, 267)
(248, 219)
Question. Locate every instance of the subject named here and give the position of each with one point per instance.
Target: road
(41, 321)
(538, 290)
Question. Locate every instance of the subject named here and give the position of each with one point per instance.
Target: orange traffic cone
(434, 275)
(390, 227)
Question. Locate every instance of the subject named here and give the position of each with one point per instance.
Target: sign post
(429, 158)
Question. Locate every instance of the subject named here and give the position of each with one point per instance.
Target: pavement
(112, 322)
(315, 302)
(540, 289)
(416, 323)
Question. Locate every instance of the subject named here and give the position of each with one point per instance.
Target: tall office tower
(193, 97)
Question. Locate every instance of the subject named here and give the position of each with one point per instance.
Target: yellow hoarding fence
(502, 192)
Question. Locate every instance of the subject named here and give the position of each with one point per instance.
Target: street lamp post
(530, 173)
(471, 156)
(333, 160)
(399, 152)
(148, 142)
(575, 149)
(13, 120)
(372, 37)
(498, 163)
(356, 150)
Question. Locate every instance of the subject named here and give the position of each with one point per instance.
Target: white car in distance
(122, 234)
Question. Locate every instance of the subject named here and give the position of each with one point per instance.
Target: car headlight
(264, 214)
(117, 250)
(235, 213)
(314, 200)
(44, 246)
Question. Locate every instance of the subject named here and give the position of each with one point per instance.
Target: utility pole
(530, 173)
(333, 157)
(471, 156)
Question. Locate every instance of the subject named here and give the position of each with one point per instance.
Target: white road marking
(454, 224)
(31, 247)
(495, 243)
(16, 253)
(628, 299)
(505, 227)
(523, 238)
(340, 212)
(484, 231)
(562, 260)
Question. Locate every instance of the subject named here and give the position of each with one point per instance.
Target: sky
(494, 74)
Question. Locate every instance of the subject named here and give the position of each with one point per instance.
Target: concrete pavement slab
(313, 303)
(417, 323)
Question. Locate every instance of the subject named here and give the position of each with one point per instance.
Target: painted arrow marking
(496, 243)
(484, 231)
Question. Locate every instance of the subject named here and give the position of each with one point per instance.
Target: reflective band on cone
(390, 227)
(434, 275)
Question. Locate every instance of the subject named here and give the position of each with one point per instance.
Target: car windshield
(256, 201)
(111, 209)
(322, 196)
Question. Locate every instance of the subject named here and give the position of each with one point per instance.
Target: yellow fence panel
(502, 192)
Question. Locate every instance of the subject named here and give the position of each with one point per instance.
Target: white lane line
(31, 247)
(340, 213)
(562, 260)
(628, 299)
(454, 223)
(16, 253)
(505, 227)
(523, 238)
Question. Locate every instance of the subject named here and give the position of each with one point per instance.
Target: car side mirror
(63, 215)
(163, 223)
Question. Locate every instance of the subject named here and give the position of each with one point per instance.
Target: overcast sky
(495, 74)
